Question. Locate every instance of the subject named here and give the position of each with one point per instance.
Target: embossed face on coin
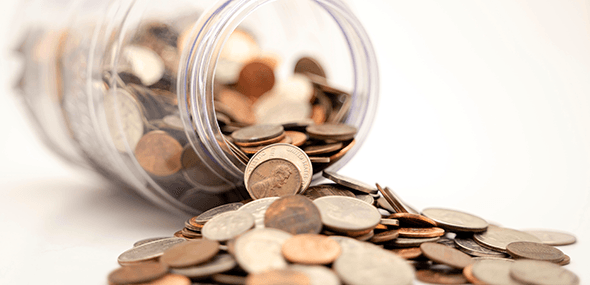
(274, 178)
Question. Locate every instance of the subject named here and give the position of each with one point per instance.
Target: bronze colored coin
(318, 114)
(322, 190)
(141, 272)
(413, 220)
(241, 106)
(468, 273)
(566, 260)
(311, 249)
(553, 237)
(294, 214)
(364, 237)
(411, 242)
(440, 277)
(322, 149)
(385, 236)
(342, 152)
(274, 178)
(229, 279)
(319, 159)
(190, 253)
(534, 250)
(279, 139)
(190, 234)
(421, 232)
(256, 78)
(408, 253)
(278, 277)
(178, 234)
(308, 64)
(193, 226)
(349, 182)
(335, 132)
(390, 222)
(257, 133)
(446, 255)
(159, 154)
(170, 279)
(392, 199)
(297, 138)
(255, 149)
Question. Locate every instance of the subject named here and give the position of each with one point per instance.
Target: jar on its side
(114, 85)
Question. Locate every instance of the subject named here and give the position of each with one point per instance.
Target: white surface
(485, 107)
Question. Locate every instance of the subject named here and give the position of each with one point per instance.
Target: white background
(484, 107)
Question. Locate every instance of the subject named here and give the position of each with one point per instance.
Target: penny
(297, 138)
(147, 240)
(178, 234)
(469, 246)
(241, 106)
(142, 272)
(263, 144)
(553, 237)
(308, 64)
(294, 214)
(566, 260)
(148, 251)
(211, 213)
(534, 250)
(421, 232)
(494, 272)
(190, 253)
(390, 222)
(335, 157)
(220, 263)
(408, 253)
(257, 133)
(318, 275)
(323, 148)
(412, 242)
(170, 279)
(311, 249)
(498, 238)
(542, 273)
(256, 78)
(455, 220)
(258, 208)
(349, 182)
(193, 227)
(445, 255)
(440, 277)
(330, 131)
(278, 139)
(274, 178)
(385, 236)
(278, 277)
(468, 273)
(259, 250)
(392, 199)
(187, 233)
(319, 159)
(347, 214)
(413, 220)
(229, 279)
(159, 153)
(228, 225)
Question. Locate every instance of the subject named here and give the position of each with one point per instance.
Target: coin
(297, 138)
(294, 214)
(411, 242)
(534, 250)
(159, 153)
(408, 253)
(319, 159)
(220, 263)
(211, 213)
(349, 182)
(469, 246)
(142, 272)
(258, 208)
(498, 238)
(440, 277)
(259, 250)
(278, 139)
(335, 157)
(170, 279)
(553, 237)
(274, 178)
(392, 199)
(322, 190)
(124, 118)
(257, 133)
(421, 232)
(347, 214)
(190, 253)
(144, 241)
(468, 273)
(148, 251)
(566, 260)
(256, 78)
(318, 275)
(413, 220)
(311, 249)
(187, 233)
(308, 64)
(229, 279)
(385, 236)
(445, 255)
(542, 273)
(241, 106)
(145, 63)
(390, 222)
(322, 148)
(494, 272)
(331, 131)
(455, 220)
(278, 277)
(228, 225)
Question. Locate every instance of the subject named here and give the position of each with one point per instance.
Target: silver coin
(228, 225)
(553, 237)
(447, 241)
(349, 182)
(318, 275)
(542, 273)
(385, 205)
(209, 214)
(455, 220)
(498, 238)
(146, 64)
(348, 244)
(469, 246)
(365, 198)
(411, 242)
(220, 263)
(124, 118)
(260, 249)
(390, 222)
(384, 213)
(493, 272)
(347, 214)
(148, 251)
(147, 240)
(258, 208)
(257, 133)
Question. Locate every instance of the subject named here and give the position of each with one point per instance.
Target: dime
(294, 214)
(311, 249)
(347, 214)
(190, 253)
(258, 208)
(142, 272)
(256, 78)
(412, 242)
(159, 153)
(211, 213)
(309, 65)
(440, 277)
(220, 263)
(318, 275)
(257, 133)
(228, 225)
(421, 232)
(322, 190)
(408, 253)
(349, 182)
(534, 250)
(274, 178)
(494, 272)
(392, 199)
(469, 246)
(542, 273)
(413, 220)
(498, 238)
(144, 241)
(259, 250)
(385, 236)
(323, 148)
(148, 251)
(278, 276)
(330, 131)
(553, 237)
(445, 255)
(455, 220)
(297, 138)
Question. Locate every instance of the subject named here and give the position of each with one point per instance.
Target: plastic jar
(71, 49)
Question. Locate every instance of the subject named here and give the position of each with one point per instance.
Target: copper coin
(178, 234)
(390, 222)
(456, 220)
(445, 255)
(408, 253)
(141, 272)
(187, 233)
(440, 276)
(241, 106)
(308, 64)
(297, 138)
(278, 139)
(392, 199)
(311, 249)
(317, 159)
(421, 232)
(412, 220)
(192, 225)
(385, 236)
(190, 253)
(294, 214)
(566, 260)
(553, 237)
(257, 133)
(322, 149)
(468, 273)
(336, 132)
(274, 178)
(349, 182)
(255, 149)
(342, 152)
(318, 114)
(170, 279)
(364, 237)
(322, 190)
(159, 153)
(278, 277)
(534, 250)
(256, 78)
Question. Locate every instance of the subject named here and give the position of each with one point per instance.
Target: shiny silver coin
(148, 251)
(347, 214)
(209, 214)
(381, 202)
(498, 238)
(453, 220)
(257, 133)
(349, 182)
(258, 208)
(384, 213)
(260, 250)
(220, 263)
(469, 246)
(493, 272)
(318, 275)
(542, 273)
(228, 225)
(147, 240)
(411, 242)
(145, 63)
(555, 238)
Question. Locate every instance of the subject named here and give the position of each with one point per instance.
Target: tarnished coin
(318, 275)
(347, 214)
(228, 225)
(278, 276)
(220, 263)
(534, 250)
(330, 131)
(297, 138)
(445, 255)
(322, 148)
(190, 253)
(147, 240)
(453, 220)
(256, 78)
(421, 232)
(148, 251)
(308, 64)
(412, 242)
(322, 190)
(142, 272)
(257, 133)
(469, 246)
(498, 238)
(258, 208)
(553, 237)
(349, 182)
(493, 272)
(259, 250)
(274, 178)
(440, 276)
(408, 253)
(294, 214)
(385, 236)
(209, 214)
(542, 273)
(311, 249)
(413, 220)
(159, 153)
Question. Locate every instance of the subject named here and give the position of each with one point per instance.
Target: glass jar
(82, 59)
